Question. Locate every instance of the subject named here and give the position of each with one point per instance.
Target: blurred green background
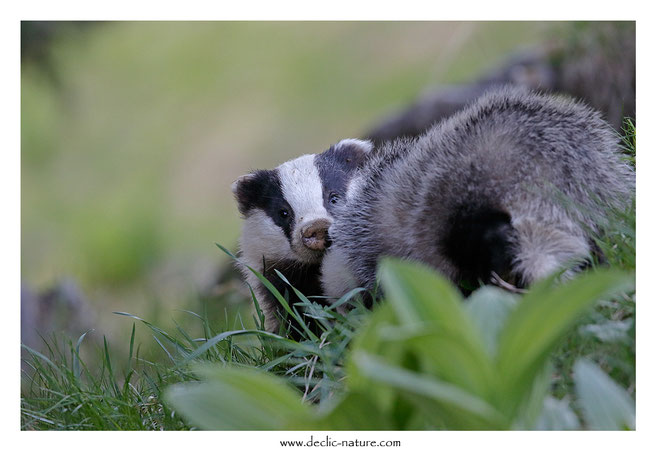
(132, 133)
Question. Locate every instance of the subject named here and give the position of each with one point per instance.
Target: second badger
(514, 185)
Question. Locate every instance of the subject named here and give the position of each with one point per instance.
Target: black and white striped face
(287, 210)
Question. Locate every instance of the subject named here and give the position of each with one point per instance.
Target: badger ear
(244, 189)
(352, 153)
(363, 146)
(235, 186)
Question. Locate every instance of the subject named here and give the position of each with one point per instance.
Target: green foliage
(61, 392)
(618, 239)
(605, 404)
(425, 359)
(273, 406)
(628, 139)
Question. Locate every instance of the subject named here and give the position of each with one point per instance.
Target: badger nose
(315, 235)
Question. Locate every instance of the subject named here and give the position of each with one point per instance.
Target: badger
(287, 212)
(514, 185)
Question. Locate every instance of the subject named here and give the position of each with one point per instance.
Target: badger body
(514, 185)
(287, 212)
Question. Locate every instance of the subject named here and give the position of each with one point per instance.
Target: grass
(61, 392)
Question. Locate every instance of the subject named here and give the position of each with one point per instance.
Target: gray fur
(550, 163)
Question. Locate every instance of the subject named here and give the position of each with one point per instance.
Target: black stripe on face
(336, 167)
(263, 190)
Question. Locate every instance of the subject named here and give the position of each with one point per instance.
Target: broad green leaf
(557, 415)
(418, 295)
(543, 316)
(355, 411)
(610, 331)
(434, 396)
(489, 308)
(239, 399)
(373, 339)
(455, 360)
(533, 401)
(422, 299)
(605, 404)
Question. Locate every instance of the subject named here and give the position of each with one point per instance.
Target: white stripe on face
(302, 188)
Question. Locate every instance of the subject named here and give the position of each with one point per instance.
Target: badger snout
(314, 235)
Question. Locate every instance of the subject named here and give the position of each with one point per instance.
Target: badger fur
(287, 212)
(514, 184)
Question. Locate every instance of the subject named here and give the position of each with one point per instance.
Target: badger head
(287, 210)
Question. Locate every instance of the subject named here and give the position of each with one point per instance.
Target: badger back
(515, 182)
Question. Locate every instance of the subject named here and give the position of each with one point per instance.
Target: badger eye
(333, 198)
(284, 213)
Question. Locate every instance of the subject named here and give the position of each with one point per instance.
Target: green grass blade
(76, 356)
(347, 297)
(108, 362)
(311, 307)
(132, 344)
(164, 349)
(182, 348)
(260, 316)
(289, 343)
(43, 358)
(279, 297)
